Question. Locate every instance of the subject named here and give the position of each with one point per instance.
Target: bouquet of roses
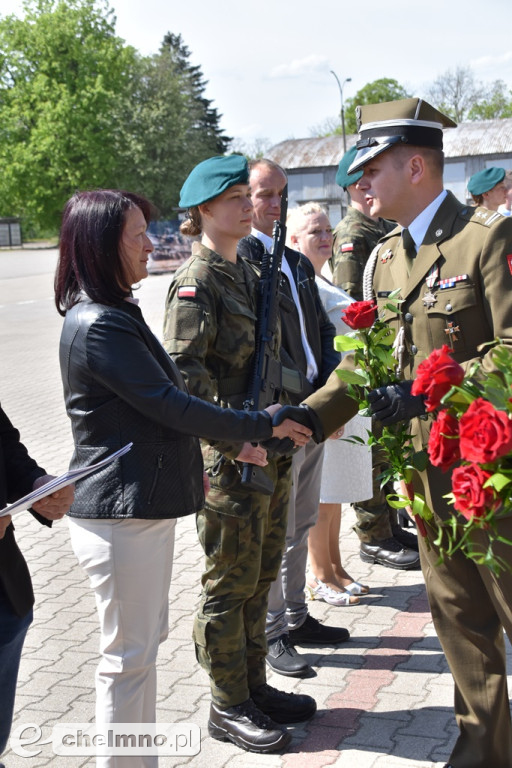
(373, 364)
(472, 430)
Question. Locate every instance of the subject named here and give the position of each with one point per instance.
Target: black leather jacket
(319, 329)
(121, 386)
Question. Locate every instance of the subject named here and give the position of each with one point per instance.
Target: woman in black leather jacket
(121, 386)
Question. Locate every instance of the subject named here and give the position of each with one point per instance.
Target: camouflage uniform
(355, 237)
(209, 330)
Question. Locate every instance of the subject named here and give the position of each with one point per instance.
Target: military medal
(451, 331)
(386, 256)
(449, 282)
(429, 299)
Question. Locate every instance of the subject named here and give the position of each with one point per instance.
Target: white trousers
(129, 564)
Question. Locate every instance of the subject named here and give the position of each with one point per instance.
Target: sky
(268, 62)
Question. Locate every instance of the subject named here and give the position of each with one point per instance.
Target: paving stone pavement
(384, 698)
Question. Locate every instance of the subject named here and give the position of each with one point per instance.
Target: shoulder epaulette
(480, 215)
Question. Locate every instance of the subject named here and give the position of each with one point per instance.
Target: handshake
(292, 427)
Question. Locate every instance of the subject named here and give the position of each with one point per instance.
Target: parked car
(171, 250)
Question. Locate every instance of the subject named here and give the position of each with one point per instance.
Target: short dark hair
(433, 157)
(89, 258)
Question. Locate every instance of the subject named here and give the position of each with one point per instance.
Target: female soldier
(210, 332)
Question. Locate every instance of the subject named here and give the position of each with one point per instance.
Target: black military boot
(247, 727)
(391, 553)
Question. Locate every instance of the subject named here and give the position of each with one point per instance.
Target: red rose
(471, 498)
(443, 443)
(436, 376)
(360, 314)
(485, 433)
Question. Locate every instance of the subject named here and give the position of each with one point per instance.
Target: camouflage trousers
(374, 517)
(242, 534)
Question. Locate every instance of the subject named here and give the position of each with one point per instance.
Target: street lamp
(340, 86)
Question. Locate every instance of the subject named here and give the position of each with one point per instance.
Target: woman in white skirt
(347, 471)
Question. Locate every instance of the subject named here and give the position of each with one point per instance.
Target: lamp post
(341, 86)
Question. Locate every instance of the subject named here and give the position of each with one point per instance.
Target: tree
(80, 109)
(328, 127)
(169, 125)
(459, 95)
(63, 77)
(497, 103)
(455, 92)
(384, 89)
(253, 150)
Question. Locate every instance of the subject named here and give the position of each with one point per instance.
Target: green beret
(485, 180)
(405, 121)
(212, 177)
(343, 177)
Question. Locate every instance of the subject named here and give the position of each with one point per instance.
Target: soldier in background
(488, 188)
(506, 208)
(357, 233)
(383, 540)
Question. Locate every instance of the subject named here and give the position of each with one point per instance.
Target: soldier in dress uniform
(357, 233)
(382, 539)
(488, 188)
(209, 329)
(453, 264)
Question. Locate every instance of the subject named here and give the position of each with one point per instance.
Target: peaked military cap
(485, 180)
(406, 121)
(212, 177)
(343, 177)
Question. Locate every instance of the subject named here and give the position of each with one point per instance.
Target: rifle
(265, 379)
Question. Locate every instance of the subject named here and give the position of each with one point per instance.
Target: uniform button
(408, 317)
(414, 349)
(448, 307)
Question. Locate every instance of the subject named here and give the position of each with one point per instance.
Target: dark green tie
(409, 248)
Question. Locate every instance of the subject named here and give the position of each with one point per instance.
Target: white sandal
(355, 588)
(329, 595)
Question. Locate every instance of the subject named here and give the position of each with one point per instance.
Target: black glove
(286, 445)
(302, 414)
(395, 403)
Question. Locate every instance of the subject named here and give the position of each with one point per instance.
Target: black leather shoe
(283, 707)
(405, 538)
(314, 633)
(247, 727)
(284, 659)
(390, 553)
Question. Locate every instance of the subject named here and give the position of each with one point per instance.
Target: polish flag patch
(187, 292)
(347, 247)
(509, 262)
